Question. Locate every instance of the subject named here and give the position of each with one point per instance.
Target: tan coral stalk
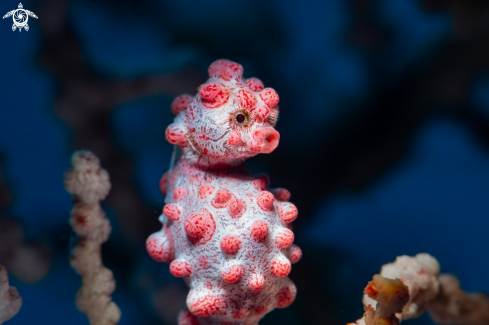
(10, 301)
(89, 184)
(440, 295)
(454, 306)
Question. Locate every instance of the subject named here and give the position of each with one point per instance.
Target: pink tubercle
(181, 103)
(255, 84)
(259, 231)
(221, 199)
(205, 191)
(231, 244)
(180, 269)
(265, 201)
(171, 211)
(236, 208)
(280, 268)
(284, 239)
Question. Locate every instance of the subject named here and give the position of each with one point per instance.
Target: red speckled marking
(256, 282)
(234, 138)
(204, 262)
(213, 95)
(233, 274)
(285, 296)
(270, 97)
(160, 246)
(81, 220)
(236, 208)
(284, 239)
(186, 318)
(180, 269)
(181, 103)
(259, 184)
(265, 201)
(180, 193)
(231, 244)
(280, 268)
(207, 306)
(255, 84)
(200, 227)
(287, 212)
(221, 199)
(281, 194)
(259, 231)
(205, 191)
(163, 183)
(175, 135)
(239, 314)
(295, 254)
(172, 212)
(246, 99)
(259, 310)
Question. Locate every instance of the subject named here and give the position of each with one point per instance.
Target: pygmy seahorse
(224, 230)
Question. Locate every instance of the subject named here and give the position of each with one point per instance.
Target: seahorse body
(224, 231)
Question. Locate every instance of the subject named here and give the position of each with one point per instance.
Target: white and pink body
(224, 231)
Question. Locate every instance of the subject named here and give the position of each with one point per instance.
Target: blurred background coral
(384, 139)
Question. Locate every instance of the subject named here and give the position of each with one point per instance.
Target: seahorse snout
(264, 140)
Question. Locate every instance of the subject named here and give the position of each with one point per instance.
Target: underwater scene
(373, 114)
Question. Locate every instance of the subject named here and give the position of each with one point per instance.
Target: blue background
(370, 181)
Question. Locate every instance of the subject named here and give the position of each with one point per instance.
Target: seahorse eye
(240, 118)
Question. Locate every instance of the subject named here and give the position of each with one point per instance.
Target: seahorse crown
(229, 120)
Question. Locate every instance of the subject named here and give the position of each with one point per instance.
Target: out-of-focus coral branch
(440, 295)
(85, 101)
(10, 300)
(455, 306)
(391, 296)
(89, 184)
(29, 261)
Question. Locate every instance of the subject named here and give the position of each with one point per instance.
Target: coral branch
(391, 297)
(89, 184)
(455, 306)
(10, 300)
(441, 295)
(28, 260)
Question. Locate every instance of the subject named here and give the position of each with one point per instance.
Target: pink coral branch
(10, 300)
(90, 184)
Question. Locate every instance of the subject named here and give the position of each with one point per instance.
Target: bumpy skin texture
(224, 231)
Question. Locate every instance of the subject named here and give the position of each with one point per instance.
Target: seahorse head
(229, 120)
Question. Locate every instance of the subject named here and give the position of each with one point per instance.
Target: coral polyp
(225, 232)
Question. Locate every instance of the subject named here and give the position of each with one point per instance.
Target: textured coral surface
(224, 230)
(89, 184)
(412, 285)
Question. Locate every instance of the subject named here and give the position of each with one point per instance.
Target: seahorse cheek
(234, 138)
